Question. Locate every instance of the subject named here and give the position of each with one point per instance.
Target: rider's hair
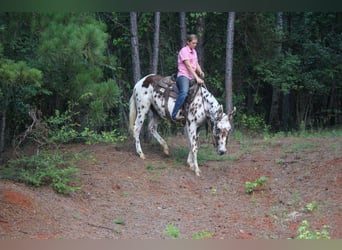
(191, 37)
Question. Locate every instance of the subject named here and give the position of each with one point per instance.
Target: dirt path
(123, 197)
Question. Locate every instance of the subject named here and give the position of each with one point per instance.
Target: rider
(187, 68)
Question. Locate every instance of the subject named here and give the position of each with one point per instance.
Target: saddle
(167, 87)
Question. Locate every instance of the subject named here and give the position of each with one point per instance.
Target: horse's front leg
(153, 127)
(192, 157)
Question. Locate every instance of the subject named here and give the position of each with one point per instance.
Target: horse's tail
(132, 112)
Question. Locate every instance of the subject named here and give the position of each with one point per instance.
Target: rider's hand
(199, 80)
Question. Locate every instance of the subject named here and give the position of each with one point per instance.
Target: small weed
(304, 232)
(171, 231)
(213, 191)
(250, 186)
(124, 194)
(310, 207)
(77, 217)
(225, 187)
(202, 235)
(119, 221)
(278, 161)
(150, 167)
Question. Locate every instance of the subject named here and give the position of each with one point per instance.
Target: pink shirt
(187, 54)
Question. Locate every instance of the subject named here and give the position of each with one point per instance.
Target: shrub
(43, 169)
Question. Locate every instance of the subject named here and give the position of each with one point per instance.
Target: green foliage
(206, 152)
(310, 207)
(119, 221)
(19, 87)
(100, 99)
(283, 71)
(150, 167)
(202, 235)
(250, 186)
(56, 170)
(63, 129)
(252, 124)
(304, 232)
(171, 231)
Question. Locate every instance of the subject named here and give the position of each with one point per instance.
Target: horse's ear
(220, 111)
(231, 114)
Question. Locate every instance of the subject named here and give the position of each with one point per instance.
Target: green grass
(48, 168)
(119, 221)
(304, 232)
(202, 235)
(172, 231)
(251, 186)
(299, 147)
(150, 167)
(206, 152)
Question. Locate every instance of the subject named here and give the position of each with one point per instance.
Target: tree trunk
(183, 28)
(229, 62)
(285, 112)
(135, 47)
(2, 133)
(154, 67)
(156, 43)
(200, 33)
(274, 112)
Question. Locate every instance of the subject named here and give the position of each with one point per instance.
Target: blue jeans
(183, 87)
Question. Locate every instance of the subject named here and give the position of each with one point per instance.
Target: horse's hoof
(142, 157)
(198, 173)
(166, 151)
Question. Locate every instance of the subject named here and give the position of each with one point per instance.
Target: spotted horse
(203, 107)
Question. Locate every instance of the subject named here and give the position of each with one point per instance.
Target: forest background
(70, 75)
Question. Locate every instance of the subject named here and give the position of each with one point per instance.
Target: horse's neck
(211, 105)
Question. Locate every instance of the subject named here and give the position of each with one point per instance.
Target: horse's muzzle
(221, 152)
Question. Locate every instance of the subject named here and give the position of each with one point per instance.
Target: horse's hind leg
(142, 111)
(153, 127)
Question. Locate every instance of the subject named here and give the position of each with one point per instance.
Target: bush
(253, 124)
(43, 169)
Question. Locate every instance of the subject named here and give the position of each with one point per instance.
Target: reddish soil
(124, 197)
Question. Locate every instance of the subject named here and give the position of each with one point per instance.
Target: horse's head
(221, 130)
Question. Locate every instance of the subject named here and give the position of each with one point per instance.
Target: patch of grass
(54, 169)
(124, 194)
(335, 147)
(206, 152)
(304, 146)
(213, 191)
(171, 231)
(310, 207)
(150, 167)
(250, 186)
(119, 221)
(202, 235)
(278, 161)
(304, 232)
